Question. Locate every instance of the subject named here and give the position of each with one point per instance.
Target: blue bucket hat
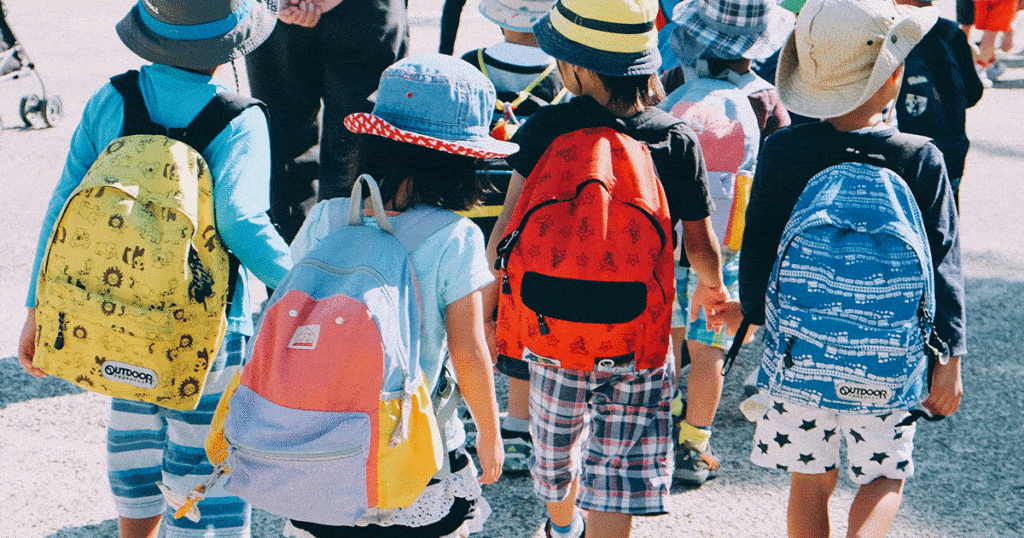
(435, 101)
(610, 37)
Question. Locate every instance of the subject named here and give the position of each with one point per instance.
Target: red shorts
(994, 16)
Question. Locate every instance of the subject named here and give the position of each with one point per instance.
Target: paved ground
(969, 480)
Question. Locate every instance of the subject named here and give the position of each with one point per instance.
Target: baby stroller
(14, 64)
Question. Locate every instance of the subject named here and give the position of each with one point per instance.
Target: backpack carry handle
(737, 343)
(355, 208)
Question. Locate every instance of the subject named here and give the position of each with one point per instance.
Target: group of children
(602, 447)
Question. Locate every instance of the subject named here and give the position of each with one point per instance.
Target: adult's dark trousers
(965, 12)
(310, 79)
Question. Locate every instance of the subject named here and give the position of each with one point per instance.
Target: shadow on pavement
(20, 386)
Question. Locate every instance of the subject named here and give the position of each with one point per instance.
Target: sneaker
(518, 447)
(695, 466)
(548, 534)
(983, 76)
(993, 71)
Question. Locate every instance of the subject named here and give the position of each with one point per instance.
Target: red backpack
(588, 264)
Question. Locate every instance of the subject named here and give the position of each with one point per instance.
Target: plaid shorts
(806, 440)
(613, 431)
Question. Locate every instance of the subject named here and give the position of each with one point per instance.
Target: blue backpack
(851, 296)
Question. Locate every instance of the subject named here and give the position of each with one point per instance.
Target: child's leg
(138, 528)
(987, 47)
(557, 422)
(704, 385)
(519, 398)
(874, 508)
(609, 525)
(807, 515)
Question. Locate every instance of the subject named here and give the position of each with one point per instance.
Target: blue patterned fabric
(853, 275)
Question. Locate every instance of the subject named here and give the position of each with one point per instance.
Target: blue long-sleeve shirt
(792, 156)
(239, 159)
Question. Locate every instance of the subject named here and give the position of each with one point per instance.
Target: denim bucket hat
(611, 37)
(197, 34)
(435, 101)
(729, 29)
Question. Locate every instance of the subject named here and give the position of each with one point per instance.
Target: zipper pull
(544, 330)
(506, 288)
(58, 344)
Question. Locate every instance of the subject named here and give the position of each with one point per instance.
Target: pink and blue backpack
(332, 415)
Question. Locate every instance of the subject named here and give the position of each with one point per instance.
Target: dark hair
(440, 179)
(625, 91)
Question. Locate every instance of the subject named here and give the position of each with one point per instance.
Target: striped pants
(147, 444)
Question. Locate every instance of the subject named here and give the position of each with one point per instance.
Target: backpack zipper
(58, 344)
(544, 330)
(288, 456)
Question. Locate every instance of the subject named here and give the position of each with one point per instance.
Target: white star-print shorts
(806, 440)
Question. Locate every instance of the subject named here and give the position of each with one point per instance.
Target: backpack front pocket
(303, 465)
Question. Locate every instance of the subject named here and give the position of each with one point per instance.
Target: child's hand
(301, 13)
(27, 345)
(730, 314)
(947, 389)
(492, 456)
(712, 299)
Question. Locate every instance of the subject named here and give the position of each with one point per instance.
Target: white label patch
(535, 358)
(863, 393)
(305, 337)
(129, 374)
(916, 80)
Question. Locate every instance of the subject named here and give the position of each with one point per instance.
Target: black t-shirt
(674, 148)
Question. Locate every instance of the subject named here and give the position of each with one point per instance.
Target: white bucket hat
(515, 15)
(842, 52)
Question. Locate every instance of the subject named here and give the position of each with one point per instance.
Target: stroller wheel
(53, 110)
(29, 106)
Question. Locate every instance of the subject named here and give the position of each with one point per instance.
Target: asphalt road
(969, 481)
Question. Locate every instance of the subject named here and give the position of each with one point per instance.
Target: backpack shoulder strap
(136, 116)
(211, 120)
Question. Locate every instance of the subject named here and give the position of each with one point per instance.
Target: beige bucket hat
(197, 34)
(842, 52)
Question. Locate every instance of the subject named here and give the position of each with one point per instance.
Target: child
(939, 84)
(863, 44)
(993, 17)
(420, 160)
(514, 65)
(628, 469)
(715, 51)
(143, 438)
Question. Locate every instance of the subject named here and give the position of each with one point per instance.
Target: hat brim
(694, 36)
(799, 93)
(516, 20)
(481, 148)
(201, 53)
(615, 64)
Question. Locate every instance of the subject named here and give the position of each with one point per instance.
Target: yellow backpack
(133, 292)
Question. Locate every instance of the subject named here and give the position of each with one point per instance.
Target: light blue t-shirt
(239, 159)
(449, 265)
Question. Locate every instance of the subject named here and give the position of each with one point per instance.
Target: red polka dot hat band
(435, 101)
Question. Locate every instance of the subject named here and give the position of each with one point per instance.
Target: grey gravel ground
(969, 479)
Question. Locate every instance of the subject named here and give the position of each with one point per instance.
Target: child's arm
(472, 363)
(239, 159)
(947, 388)
(706, 260)
(490, 292)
